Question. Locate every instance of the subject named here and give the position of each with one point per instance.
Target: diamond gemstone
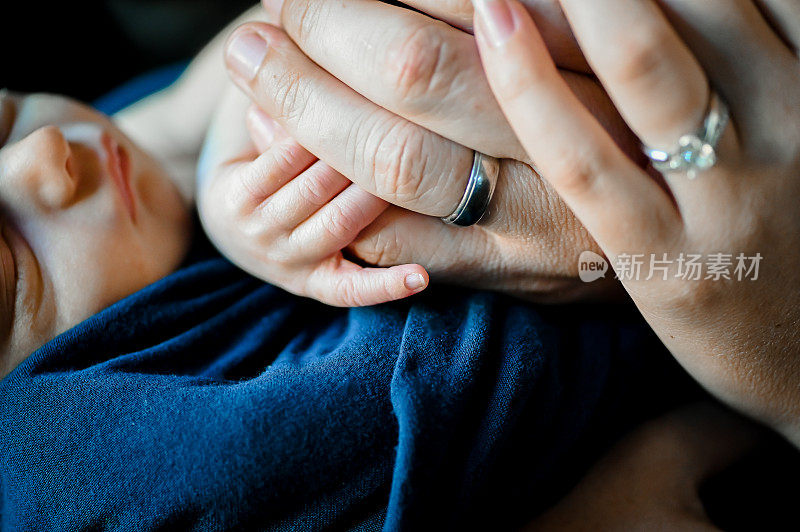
(695, 154)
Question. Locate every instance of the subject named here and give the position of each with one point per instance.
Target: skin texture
(68, 247)
(385, 108)
(70, 243)
(651, 479)
(739, 339)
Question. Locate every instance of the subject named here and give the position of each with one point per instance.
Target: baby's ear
(264, 131)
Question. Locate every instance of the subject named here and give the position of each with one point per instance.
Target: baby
(89, 216)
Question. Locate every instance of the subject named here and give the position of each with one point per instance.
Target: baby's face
(87, 219)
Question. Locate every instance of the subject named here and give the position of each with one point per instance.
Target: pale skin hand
(409, 146)
(284, 216)
(740, 339)
(305, 256)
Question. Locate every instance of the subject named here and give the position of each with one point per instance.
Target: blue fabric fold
(212, 401)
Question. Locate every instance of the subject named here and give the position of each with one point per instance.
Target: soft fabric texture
(212, 401)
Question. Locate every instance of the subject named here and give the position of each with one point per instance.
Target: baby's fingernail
(262, 126)
(245, 53)
(496, 19)
(415, 282)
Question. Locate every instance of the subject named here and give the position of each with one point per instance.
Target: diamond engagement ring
(480, 188)
(697, 152)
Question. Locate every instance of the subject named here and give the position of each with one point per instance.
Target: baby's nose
(36, 172)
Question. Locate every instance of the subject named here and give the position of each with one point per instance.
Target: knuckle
(417, 64)
(577, 175)
(315, 189)
(288, 91)
(347, 293)
(383, 249)
(340, 222)
(302, 17)
(252, 186)
(398, 163)
(640, 56)
(236, 193)
(270, 216)
(277, 252)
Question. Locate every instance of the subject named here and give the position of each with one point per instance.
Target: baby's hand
(285, 217)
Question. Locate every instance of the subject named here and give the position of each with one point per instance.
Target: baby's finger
(341, 283)
(264, 131)
(336, 224)
(604, 188)
(296, 201)
(250, 184)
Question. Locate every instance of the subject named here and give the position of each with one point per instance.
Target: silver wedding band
(479, 192)
(697, 152)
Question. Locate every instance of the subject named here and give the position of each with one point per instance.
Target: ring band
(697, 152)
(479, 192)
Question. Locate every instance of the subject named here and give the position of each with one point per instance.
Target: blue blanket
(212, 401)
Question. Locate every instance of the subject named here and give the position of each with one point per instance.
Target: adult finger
(784, 15)
(341, 283)
(476, 258)
(603, 187)
(659, 86)
(739, 52)
(547, 15)
(457, 13)
(385, 154)
(419, 68)
(652, 76)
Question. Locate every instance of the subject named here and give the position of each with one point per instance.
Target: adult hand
(397, 102)
(740, 338)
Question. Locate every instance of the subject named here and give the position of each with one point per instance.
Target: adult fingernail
(263, 126)
(245, 54)
(415, 282)
(496, 19)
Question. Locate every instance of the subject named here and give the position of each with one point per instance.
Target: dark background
(85, 48)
